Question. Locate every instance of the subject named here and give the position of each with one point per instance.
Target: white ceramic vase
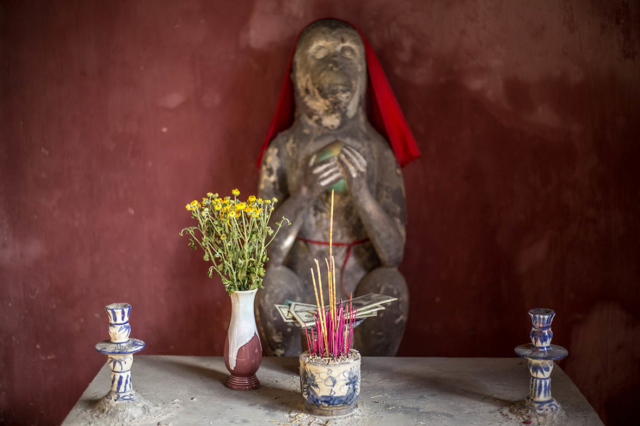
(242, 349)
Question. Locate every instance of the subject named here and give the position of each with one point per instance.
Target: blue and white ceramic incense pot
(330, 388)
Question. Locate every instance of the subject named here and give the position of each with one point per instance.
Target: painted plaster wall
(115, 114)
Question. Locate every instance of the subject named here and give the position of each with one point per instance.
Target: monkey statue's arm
(381, 212)
(295, 207)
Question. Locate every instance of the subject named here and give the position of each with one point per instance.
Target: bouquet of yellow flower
(233, 235)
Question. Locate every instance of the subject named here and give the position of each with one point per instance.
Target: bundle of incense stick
(334, 326)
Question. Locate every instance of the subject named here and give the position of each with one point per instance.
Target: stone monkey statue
(331, 144)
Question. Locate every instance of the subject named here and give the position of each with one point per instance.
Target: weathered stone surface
(397, 391)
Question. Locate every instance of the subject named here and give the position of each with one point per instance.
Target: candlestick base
(529, 408)
(110, 408)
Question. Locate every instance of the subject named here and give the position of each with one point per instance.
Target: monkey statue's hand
(321, 176)
(354, 169)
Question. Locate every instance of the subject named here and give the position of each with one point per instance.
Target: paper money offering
(368, 314)
(372, 299)
(284, 312)
(303, 314)
(370, 310)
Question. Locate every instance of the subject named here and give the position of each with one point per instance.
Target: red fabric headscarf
(386, 117)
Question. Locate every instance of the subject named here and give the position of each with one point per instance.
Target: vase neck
(242, 305)
(243, 297)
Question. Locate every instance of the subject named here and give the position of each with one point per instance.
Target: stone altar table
(395, 391)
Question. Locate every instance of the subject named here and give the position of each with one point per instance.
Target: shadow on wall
(605, 362)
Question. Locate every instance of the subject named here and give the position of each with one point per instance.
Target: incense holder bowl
(330, 388)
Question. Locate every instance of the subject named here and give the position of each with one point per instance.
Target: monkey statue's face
(329, 73)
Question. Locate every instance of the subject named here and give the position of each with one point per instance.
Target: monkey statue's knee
(281, 338)
(381, 335)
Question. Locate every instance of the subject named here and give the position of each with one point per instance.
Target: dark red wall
(117, 113)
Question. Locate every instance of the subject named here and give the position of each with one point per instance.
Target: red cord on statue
(346, 258)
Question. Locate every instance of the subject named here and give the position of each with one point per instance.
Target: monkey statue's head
(329, 73)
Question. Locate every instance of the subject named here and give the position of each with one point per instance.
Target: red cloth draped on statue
(386, 115)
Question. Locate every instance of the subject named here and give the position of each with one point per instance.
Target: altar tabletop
(394, 391)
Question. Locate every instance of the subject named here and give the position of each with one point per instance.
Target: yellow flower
(222, 237)
(251, 199)
(235, 192)
(231, 214)
(256, 214)
(249, 210)
(218, 206)
(210, 194)
(240, 206)
(189, 207)
(260, 200)
(267, 201)
(194, 203)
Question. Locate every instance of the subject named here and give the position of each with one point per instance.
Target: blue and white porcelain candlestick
(540, 354)
(119, 351)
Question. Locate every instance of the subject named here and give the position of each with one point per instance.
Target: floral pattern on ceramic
(119, 351)
(541, 355)
(330, 389)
